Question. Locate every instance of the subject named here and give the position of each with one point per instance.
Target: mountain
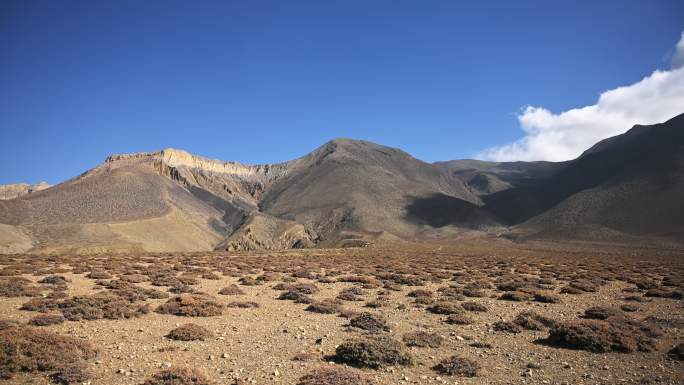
(632, 184)
(341, 193)
(350, 192)
(11, 191)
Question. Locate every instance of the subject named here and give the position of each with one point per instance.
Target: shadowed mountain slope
(348, 192)
(143, 201)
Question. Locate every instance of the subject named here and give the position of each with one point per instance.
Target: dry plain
(491, 312)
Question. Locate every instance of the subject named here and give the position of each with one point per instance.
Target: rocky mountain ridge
(351, 192)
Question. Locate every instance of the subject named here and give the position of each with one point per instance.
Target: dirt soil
(258, 343)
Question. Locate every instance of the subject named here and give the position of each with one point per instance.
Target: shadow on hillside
(439, 210)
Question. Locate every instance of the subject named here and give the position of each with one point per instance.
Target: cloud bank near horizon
(565, 135)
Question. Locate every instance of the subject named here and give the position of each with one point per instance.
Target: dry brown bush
(231, 290)
(326, 306)
(481, 345)
(372, 352)
(373, 323)
(99, 275)
(665, 293)
(243, 304)
(516, 296)
(457, 366)
(98, 306)
(295, 296)
(47, 319)
(677, 352)
(334, 376)
(423, 339)
(54, 280)
(178, 376)
(42, 305)
(507, 327)
(546, 297)
(475, 307)
(26, 349)
(419, 293)
(18, 287)
(531, 320)
(445, 308)
(601, 312)
(191, 305)
(189, 332)
(307, 356)
(459, 319)
(602, 337)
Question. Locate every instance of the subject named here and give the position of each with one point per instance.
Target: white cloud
(563, 136)
(678, 57)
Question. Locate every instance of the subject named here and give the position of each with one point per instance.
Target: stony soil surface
(258, 344)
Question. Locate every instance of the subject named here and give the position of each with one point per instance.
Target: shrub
(178, 376)
(54, 280)
(373, 352)
(445, 308)
(189, 332)
(370, 322)
(304, 288)
(475, 307)
(47, 319)
(98, 306)
(481, 345)
(231, 290)
(600, 312)
(457, 366)
(249, 281)
(677, 352)
(516, 296)
(601, 337)
(351, 294)
(99, 275)
(18, 287)
(419, 293)
(307, 356)
(532, 321)
(42, 305)
(661, 293)
(459, 319)
(32, 350)
(243, 304)
(326, 306)
(474, 293)
(72, 374)
(507, 327)
(423, 339)
(334, 376)
(191, 305)
(295, 296)
(546, 297)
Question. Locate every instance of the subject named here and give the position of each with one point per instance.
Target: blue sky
(267, 81)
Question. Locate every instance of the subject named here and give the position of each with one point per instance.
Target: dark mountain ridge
(351, 191)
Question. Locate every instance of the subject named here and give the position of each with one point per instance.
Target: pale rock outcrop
(11, 191)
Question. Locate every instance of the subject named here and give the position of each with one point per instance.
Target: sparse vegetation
(423, 339)
(26, 349)
(189, 332)
(372, 352)
(178, 376)
(191, 305)
(334, 376)
(602, 337)
(457, 366)
(373, 323)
